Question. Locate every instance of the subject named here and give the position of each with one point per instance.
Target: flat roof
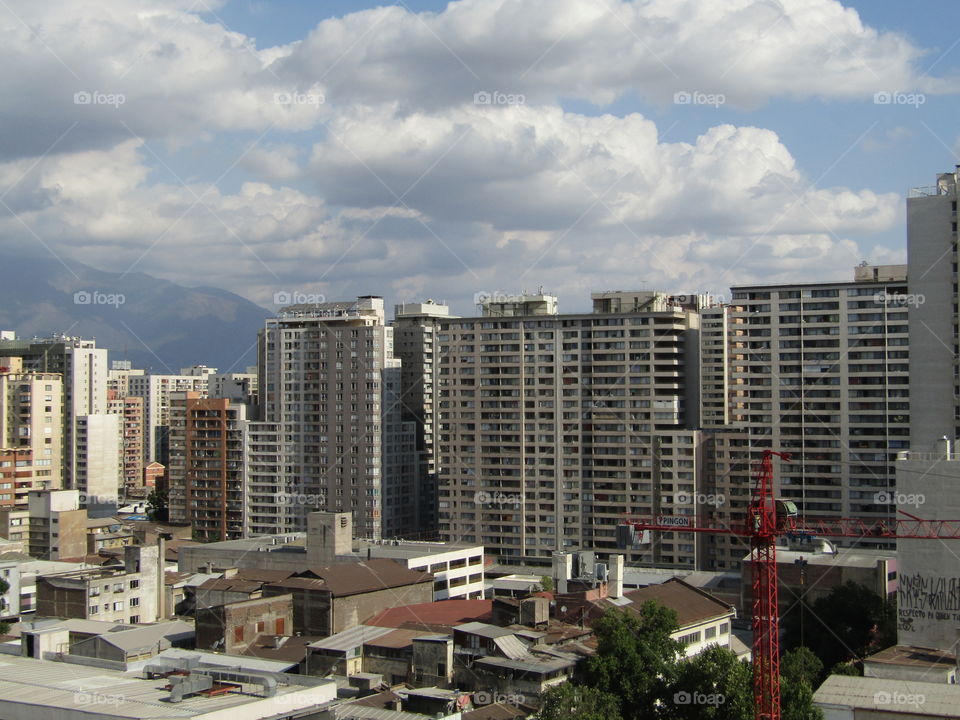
(914, 657)
(28, 683)
(883, 695)
(412, 548)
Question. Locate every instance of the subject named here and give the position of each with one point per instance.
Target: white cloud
(411, 188)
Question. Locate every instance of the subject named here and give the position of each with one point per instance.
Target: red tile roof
(434, 616)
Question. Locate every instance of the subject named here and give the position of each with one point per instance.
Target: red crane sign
(766, 519)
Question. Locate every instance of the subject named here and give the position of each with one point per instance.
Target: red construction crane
(766, 519)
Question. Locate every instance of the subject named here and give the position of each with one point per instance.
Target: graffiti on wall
(927, 597)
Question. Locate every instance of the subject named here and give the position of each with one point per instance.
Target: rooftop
(367, 576)
(918, 699)
(914, 657)
(31, 687)
(439, 615)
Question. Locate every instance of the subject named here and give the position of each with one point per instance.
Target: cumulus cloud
(392, 176)
(747, 50)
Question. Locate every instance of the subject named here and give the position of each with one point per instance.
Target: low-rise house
(137, 643)
(131, 592)
(703, 619)
(234, 627)
(337, 597)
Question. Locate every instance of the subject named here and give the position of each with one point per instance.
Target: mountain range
(156, 324)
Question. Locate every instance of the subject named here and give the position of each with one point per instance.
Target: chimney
(562, 570)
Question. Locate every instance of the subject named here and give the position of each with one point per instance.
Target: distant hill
(156, 324)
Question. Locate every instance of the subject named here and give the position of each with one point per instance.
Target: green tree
(157, 507)
(800, 672)
(712, 684)
(546, 583)
(848, 624)
(578, 702)
(636, 659)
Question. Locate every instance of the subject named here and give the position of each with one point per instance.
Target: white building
(156, 390)
(99, 462)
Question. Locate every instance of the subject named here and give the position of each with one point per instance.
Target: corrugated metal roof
(511, 646)
(26, 683)
(483, 630)
(352, 638)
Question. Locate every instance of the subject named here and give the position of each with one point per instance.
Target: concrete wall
(311, 609)
(239, 624)
(928, 594)
(930, 275)
(353, 610)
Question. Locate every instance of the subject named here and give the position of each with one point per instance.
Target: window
(134, 602)
(134, 584)
(93, 610)
(118, 605)
(260, 626)
(690, 638)
(134, 618)
(280, 627)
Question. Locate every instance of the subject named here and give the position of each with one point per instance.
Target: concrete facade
(932, 262)
(324, 377)
(415, 343)
(31, 431)
(553, 426)
(825, 367)
(83, 367)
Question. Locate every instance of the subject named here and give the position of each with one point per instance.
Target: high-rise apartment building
(84, 369)
(130, 410)
(207, 471)
(98, 455)
(156, 391)
(821, 372)
(329, 381)
(31, 431)
(415, 333)
(552, 427)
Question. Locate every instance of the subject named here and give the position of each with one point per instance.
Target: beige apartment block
(554, 427)
(31, 431)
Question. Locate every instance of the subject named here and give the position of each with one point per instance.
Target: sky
(292, 149)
